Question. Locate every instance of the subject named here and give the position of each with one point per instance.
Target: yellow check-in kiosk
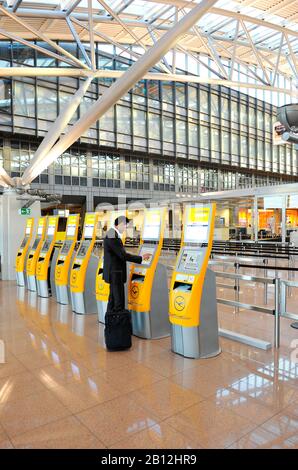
(34, 253)
(193, 306)
(83, 270)
(23, 251)
(148, 297)
(64, 259)
(102, 289)
(43, 266)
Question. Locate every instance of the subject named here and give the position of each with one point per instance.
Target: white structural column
(121, 86)
(55, 131)
(12, 230)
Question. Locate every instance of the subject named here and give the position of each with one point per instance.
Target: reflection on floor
(60, 388)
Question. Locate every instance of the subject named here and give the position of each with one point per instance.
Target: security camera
(287, 115)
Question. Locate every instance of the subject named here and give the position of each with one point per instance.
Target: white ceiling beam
(278, 60)
(78, 41)
(122, 23)
(5, 179)
(91, 35)
(120, 87)
(72, 7)
(292, 55)
(39, 34)
(259, 60)
(57, 128)
(31, 45)
(39, 13)
(72, 72)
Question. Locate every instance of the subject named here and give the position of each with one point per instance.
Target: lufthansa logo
(101, 286)
(134, 291)
(179, 303)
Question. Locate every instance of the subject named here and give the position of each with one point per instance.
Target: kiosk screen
(83, 249)
(71, 230)
(46, 245)
(35, 244)
(89, 231)
(51, 230)
(152, 225)
(147, 250)
(24, 243)
(66, 247)
(190, 261)
(197, 225)
(39, 230)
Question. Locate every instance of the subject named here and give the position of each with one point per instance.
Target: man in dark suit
(114, 265)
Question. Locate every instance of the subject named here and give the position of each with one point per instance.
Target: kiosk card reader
(102, 289)
(83, 269)
(193, 307)
(148, 285)
(43, 266)
(34, 253)
(64, 259)
(22, 252)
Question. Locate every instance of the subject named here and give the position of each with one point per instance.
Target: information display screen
(24, 242)
(51, 230)
(149, 251)
(83, 249)
(35, 244)
(152, 222)
(52, 226)
(28, 230)
(71, 230)
(190, 261)
(88, 232)
(66, 247)
(196, 229)
(46, 245)
(39, 230)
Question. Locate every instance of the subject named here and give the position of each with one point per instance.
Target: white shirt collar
(118, 233)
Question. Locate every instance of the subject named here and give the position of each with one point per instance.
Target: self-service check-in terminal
(102, 289)
(64, 259)
(23, 251)
(43, 266)
(148, 285)
(83, 270)
(34, 254)
(193, 306)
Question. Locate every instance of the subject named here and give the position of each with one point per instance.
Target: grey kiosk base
(200, 342)
(62, 293)
(21, 280)
(84, 303)
(31, 283)
(154, 324)
(43, 286)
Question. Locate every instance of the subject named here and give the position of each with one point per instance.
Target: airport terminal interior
(182, 116)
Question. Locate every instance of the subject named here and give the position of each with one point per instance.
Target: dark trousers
(116, 301)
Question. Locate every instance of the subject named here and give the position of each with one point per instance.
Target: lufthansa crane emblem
(134, 291)
(179, 303)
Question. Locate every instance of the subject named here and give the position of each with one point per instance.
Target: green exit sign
(25, 211)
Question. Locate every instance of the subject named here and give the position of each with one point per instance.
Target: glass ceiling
(219, 35)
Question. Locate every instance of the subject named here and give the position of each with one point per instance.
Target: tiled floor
(59, 387)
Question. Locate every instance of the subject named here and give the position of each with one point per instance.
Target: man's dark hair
(121, 220)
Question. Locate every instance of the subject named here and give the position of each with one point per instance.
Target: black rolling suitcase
(118, 330)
